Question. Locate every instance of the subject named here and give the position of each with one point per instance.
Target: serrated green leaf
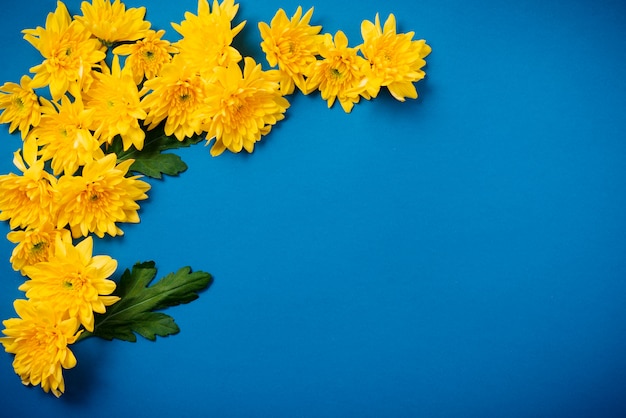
(151, 160)
(158, 164)
(134, 312)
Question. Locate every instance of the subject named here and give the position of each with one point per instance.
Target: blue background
(458, 255)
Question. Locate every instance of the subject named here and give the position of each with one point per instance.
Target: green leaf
(151, 161)
(134, 312)
(158, 164)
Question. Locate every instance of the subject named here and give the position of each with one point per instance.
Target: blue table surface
(458, 255)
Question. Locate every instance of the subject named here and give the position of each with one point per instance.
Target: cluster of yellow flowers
(109, 76)
(312, 61)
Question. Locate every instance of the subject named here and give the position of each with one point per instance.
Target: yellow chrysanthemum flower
(242, 106)
(27, 200)
(35, 245)
(39, 338)
(112, 23)
(396, 59)
(147, 56)
(114, 98)
(64, 135)
(177, 96)
(20, 106)
(207, 36)
(101, 196)
(73, 281)
(340, 74)
(70, 54)
(292, 45)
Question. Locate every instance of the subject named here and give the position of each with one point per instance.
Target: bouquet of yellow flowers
(110, 96)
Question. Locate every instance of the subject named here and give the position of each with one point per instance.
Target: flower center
(39, 246)
(73, 282)
(18, 102)
(64, 56)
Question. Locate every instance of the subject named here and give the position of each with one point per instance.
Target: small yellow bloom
(35, 245)
(27, 200)
(207, 36)
(117, 110)
(73, 281)
(112, 23)
(70, 54)
(396, 59)
(147, 56)
(64, 135)
(101, 196)
(20, 106)
(242, 106)
(340, 74)
(292, 45)
(39, 338)
(178, 97)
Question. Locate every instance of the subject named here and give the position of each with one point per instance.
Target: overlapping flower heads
(313, 61)
(110, 87)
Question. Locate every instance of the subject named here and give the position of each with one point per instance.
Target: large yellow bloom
(101, 196)
(35, 245)
(39, 338)
(292, 45)
(20, 106)
(178, 96)
(27, 200)
(111, 23)
(70, 54)
(207, 36)
(396, 59)
(340, 75)
(147, 56)
(73, 281)
(242, 106)
(114, 98)
(64, 135)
